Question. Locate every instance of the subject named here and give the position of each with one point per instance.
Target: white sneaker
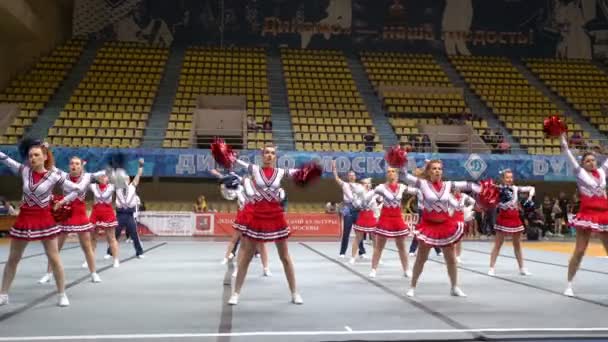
(342, 256)
(372, 274)
(116, 263)
(363, 256)
(408, 274)
(129, 241)
(3, 299)
(458, 260)
(234, 299)
(524, 271)
(62, 300)
(412, 254)
(95, 277)
(141, 256)
(352, 261)
(410, 292)
(569, 292)
(230, 256)
(84, 265)
(267, 272)
(457, 292)
(440, 254)
(46, 278)
(107, 256)
(381, 262)
(224, 261)
(234, 273)
(296, 298)
(491, 272)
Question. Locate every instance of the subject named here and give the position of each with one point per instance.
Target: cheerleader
(35, 222)
(366, 220)
(267, 221)
(232, 188)
(391, 223)
(103, 216)
(78, 222)
(437, 227)
(349, 212)
(593, 213)
(508, 221)
(463, 215)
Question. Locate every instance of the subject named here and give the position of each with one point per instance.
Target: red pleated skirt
(243, 217)
(34, 223)
(366, 221)
(592, 215)
(391, 223)
(103, 216)
(267, 222)
(509, 222)
(78, 222)
(439, 229)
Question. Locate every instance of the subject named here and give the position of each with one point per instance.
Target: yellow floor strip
(595, 248)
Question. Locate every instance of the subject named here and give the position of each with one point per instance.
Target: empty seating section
(327, 111)
(519, 105)
(111, 104)
(220, 71)
(31, 91)
(414, 89)
(579, 82)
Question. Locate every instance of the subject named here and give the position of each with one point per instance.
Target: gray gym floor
(178, 293)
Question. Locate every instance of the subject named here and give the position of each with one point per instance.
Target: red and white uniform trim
(508, 219)
(366, 221)
(593, 212)
(438, 227)
(78, 222)
(267, 221)
(35, 221)
(103, 215)
(391, 223)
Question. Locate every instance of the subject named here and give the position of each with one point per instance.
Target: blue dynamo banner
(198, 163)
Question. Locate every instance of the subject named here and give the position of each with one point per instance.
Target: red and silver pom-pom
(223, 153)
(396, 157)
(554, 126)
(489, 195)
(307, 173)
(63, 213)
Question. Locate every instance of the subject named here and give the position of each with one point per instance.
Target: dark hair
(587, 154)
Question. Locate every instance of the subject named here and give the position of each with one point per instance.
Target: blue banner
(198, 163)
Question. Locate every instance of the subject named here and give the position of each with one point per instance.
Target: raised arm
(12, 164)
(469, 202)
(467, 186)
(140, 171)
(408, 178)
(569, 155)
(335, 172)
(243, 163)
(98, 174)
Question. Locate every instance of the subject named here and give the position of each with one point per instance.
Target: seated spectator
(267, 125)
(331, 208)
(426, 143)
(504, 147)
(201, 205)
(576, 140)
(368, 140)
(413, 141)
(252, 125)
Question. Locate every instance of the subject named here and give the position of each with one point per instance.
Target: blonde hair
(425, 172)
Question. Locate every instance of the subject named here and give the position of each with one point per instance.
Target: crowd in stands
(253, 126)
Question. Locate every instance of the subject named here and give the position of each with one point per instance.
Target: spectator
(331, 208)
(368, 140)
(201, 205)
(503, 146)
(558, 216)
(576, 140)
(267, 125)
(426, 143)
(251, 124)
(413, 141)
(547, 212)
(7, 209)
(604, 108)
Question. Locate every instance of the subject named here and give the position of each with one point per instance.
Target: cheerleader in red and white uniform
(78, 222)
(103, 216)
(391, 223)
(508, 221)
(366, 220)
(35, 221)
(592, 216)
(437, 227)
(243, 216)
(267, 222)
(463, 215)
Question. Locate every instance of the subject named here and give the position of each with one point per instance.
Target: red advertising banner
(302, 225)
